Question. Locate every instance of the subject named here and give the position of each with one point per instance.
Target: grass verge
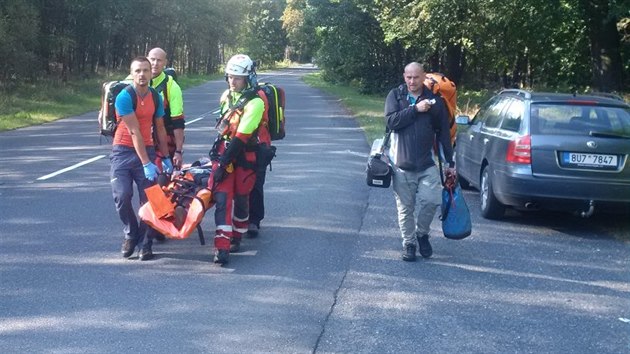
(369, 109)
(49, 100)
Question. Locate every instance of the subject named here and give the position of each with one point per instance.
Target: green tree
(352, 46)
(297, 21)
(264, 39)
(600, 19)
(19, 23)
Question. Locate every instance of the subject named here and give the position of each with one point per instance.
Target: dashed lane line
(96, 158)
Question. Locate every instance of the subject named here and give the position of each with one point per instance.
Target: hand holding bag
(379, 171)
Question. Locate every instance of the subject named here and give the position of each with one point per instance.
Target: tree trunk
(607, 69)
(454, 63)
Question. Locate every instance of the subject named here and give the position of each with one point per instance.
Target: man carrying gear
(233, 155)
(174, 122)
(139, 109)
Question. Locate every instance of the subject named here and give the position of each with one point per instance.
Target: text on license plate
(593, 160)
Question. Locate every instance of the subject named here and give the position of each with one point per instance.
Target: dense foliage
(569, 44)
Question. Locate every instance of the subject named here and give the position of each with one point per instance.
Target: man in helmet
(233, 155)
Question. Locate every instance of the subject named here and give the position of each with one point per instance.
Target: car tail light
(520, 150)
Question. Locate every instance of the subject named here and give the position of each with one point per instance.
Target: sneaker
(409, 253)
(128, 247)
(426, 250)
(235, 244)
(252, 230)
(146, 253)
(221, 256)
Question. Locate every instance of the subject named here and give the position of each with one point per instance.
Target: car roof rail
(607, 95)
(518, 92)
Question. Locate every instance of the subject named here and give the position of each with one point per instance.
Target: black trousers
(257, 196)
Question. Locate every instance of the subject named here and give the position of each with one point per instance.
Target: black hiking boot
(128, 247)
(221, 256)
(146, 253)
(426, 251)
(409, 253)
(252, 230)
(235, 244)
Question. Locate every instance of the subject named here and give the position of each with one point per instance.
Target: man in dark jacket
(413, 114)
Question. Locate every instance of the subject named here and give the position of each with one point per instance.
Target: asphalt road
(325, 275)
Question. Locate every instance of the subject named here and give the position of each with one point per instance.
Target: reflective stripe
(235, 218)
(240, 230)
(226, 228)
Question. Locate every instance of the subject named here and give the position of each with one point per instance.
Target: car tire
(463, 182)
(491, 208)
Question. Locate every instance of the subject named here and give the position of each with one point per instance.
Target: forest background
(482, 45)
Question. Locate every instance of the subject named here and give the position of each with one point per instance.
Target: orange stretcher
(177, 205)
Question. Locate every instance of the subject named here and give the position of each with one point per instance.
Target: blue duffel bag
(455, 216)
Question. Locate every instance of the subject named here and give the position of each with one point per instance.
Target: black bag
(264, 154)
(275, 109)
(107, 119)
(379, 172)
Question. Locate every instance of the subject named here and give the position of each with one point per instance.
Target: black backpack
(275, 109)
(107, 120)
(172, 73)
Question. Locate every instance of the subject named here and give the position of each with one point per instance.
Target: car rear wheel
(491, 208)
(463, 182)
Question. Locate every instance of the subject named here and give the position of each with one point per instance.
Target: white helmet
(239, 65)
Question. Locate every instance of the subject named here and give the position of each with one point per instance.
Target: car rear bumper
(516, 186)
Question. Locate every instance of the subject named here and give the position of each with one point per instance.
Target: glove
(219, 173)
(150, 171)
(167, 165)
(234, 148)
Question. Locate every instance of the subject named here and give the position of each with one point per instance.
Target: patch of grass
(49, 100)
(46, 101)
(193, 80)
(369, 109)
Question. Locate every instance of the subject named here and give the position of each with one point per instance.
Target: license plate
(580, 159)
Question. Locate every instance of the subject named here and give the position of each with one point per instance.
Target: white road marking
(194, 120)
(42, 178)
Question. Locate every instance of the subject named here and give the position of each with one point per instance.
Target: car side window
(513, 116)
(481, 113)
(619, 120)
(494, 114)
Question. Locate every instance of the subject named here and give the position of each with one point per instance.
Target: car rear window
(569, 119)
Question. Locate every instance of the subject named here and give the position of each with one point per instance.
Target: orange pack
(442, 86)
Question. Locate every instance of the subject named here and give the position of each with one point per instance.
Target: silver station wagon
(550, 151)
